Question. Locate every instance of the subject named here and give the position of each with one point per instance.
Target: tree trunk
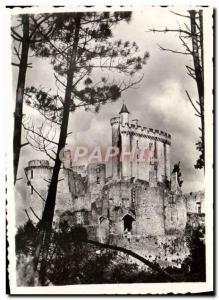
(18, 115)
(199, 68)
(48, 213)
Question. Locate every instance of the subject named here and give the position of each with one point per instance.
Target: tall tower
(125, 143)
(121, 140)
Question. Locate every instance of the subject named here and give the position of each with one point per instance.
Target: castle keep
(141, 206)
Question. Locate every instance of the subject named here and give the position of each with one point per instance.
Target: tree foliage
(98, 55)
(177, 169)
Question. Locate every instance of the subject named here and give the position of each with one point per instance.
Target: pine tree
(81, 47)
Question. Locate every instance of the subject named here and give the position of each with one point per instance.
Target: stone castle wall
(149, 211)
(136, 208)
(175, 213)
(129, 137)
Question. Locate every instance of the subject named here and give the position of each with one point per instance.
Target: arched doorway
(127, 221)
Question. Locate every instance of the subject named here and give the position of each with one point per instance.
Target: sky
(159, 101)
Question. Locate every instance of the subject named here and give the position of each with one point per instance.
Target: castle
(141, 206)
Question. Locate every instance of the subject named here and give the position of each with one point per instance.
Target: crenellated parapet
(115, 120)
(142, 131)
(148, 133)
(38, 163)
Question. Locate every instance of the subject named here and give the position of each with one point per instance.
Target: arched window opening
(127, 220)
(101, 219)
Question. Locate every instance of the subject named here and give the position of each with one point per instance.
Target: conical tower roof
(124, 109)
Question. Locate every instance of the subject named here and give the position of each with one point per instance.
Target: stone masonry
(140, 207)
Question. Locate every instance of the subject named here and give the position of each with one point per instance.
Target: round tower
(38, 174)
(125, 143)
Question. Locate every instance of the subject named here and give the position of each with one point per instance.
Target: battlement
(135, 129)
(80, 169)
(148, 133)
(38, 163)
(94, 166)
(115, 120)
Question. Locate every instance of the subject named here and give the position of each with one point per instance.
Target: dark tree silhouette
(80, 44)
(25, 36)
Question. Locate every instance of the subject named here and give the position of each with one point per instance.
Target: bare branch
(61, 82)
(48, 181)
(25, 144)
(20, 178)
(185, 45)
(39, 134)
(177, 14)
(28, 215)
(35, 213)
(173, 51)
(19, 38)
(170, 30)
(16, 65)
(17, 53)
(192, 103)
(198, 115)
(29, 183)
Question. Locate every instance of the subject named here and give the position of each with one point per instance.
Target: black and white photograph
(109, 177)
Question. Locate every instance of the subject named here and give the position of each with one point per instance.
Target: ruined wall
(64, 200)
(195, 202)
(175, 213)
(149, 211)
(165, 250)
(120, 204)
(79, 169)
(96, 180)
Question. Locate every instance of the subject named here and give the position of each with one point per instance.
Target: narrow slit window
(98, 180)
(31, 174)
(133, 196)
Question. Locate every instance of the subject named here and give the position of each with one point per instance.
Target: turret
(38, 175)
(124, 115)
